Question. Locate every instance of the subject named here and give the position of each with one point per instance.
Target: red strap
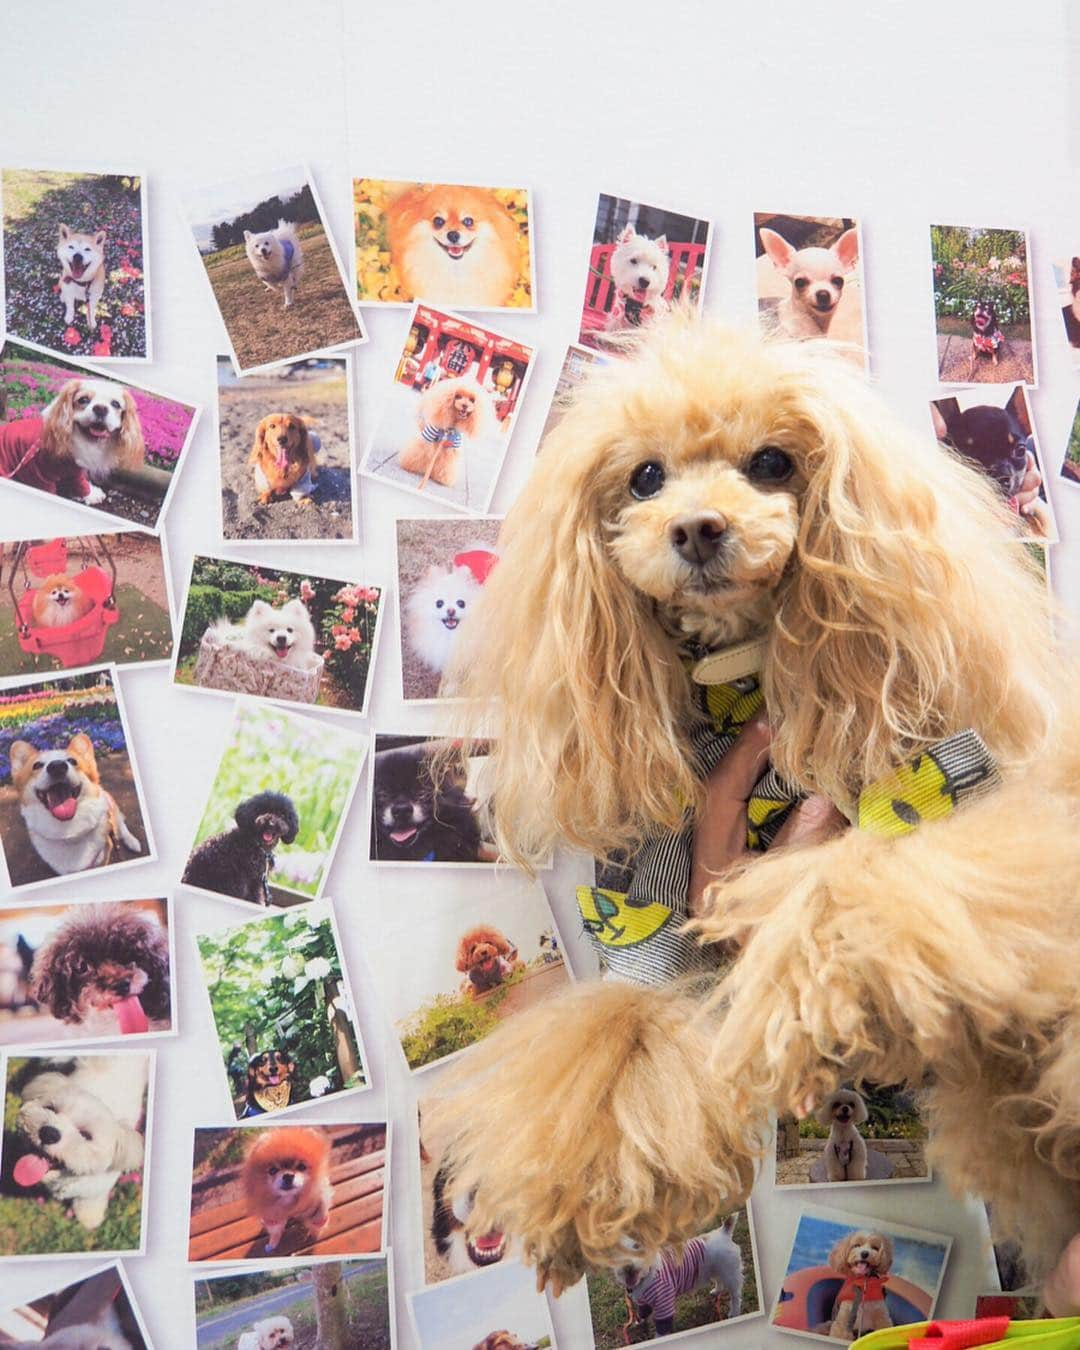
(961, 1335)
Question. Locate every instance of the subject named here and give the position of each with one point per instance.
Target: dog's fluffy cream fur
(896, 613)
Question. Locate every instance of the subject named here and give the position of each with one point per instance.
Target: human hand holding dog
(720, 836)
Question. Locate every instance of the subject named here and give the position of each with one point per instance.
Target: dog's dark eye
(439, 222)
(439, 604)
(87, 1136)
(461, 604)
(272, 1170)
(467, 221)
(71, 761)
(633, 262)
(770, 465)
(838, 282)
(301, 1167)
(288, 630)
(116, 405)
(647, 479)
(82, 400)
(801, 283)
(39, 763)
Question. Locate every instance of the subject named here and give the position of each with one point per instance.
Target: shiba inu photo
(277, 258)
(82, 272)
(455, 246)
(73, 823)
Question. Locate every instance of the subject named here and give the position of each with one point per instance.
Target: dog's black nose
(123, 988)
(49, 1134)
(76, 258)
(57, 768)
(823, 299)
(453, 236)
(697, 539)
(643, 283)
(401, 813)
(100, 410)
(287, 1180)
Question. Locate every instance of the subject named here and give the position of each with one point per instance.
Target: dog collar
(731, 663)
(69, 280)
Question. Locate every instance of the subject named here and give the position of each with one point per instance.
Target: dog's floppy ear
(82, 747)
(260, 442)
(777, 248)
(129, 1148)
(59, 419)
(846, 249)
(571, 657)
(862, 1113)
(245, 813)
(131, 449)
(293, 826)
(887, 1250)
(823, 1114)
(839, 1253)
(884, 641)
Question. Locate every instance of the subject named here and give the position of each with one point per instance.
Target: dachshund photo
(105, 965)
(449, 414)
(239, 861)
(486, 958)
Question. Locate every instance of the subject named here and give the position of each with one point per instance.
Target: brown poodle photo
(864, 1260)
(448, 414)
(486, 958)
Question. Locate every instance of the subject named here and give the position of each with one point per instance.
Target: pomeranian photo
(455, 246)
(640, 267)
(286, 1175)
(82, 272)
(58, 601)
(413, 820)
(436, 610)
(284, 635)
(73, 823)
(276, 258)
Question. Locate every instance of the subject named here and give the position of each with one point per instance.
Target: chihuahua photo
(815, 277)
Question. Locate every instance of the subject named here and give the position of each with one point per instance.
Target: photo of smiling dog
(70, 800)
(469, 248)
(277, 804)
(286, 439)
(94, 1312)
(75, 268)
(993, 429)
(420, 814)
(74, 1150)
(286, 1026)
(866, 1135)
(272, 267)
(643, 260)
(69, 431)
(288, 1190)
(286, 636)
(85, 971)
(808, 277)
(446, 423)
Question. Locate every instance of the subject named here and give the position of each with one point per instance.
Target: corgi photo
(283, 458)
(276, 258)
(76, 278)
(82, 272)
(272, 267)
(58, 601)
(807, 277)
(463, 247)
(69, 795)
(644, 259)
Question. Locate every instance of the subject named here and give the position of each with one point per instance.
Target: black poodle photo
(412, 819)
(239, 861)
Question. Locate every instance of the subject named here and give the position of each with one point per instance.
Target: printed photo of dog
(869, 1135)
(421, 814)
(72, 806)
(463, 247)
(484, 960)
(277, 1308)
(496, 1309)
(848, 1275)
(272, 267)
(74, 262)
(92, 971)
(281, 1190)
(993, 429)
(983, 306)
(442, 564)
(1067, 279)
(101, 443)
(94, 1313)
(275, 808)
(286, 1026)
(77, 1145)
(84, 598)
(808, 277)
(286, 636)
(444, 428)
(713, 1280)
(286, 439)
(643, 260)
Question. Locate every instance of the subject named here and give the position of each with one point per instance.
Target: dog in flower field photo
(75, 262)
(72, 802)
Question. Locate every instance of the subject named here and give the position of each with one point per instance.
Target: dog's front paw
(94, 497)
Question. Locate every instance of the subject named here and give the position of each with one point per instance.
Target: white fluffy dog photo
(285, 635)
(78, 1129)
(640, 268)
(269, 1333)
(437, 608)
(276, 258)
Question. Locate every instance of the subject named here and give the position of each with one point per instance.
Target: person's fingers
(734, 777)
(1061, 1292)
(811, 822)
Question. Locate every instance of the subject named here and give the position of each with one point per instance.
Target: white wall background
(894, 114)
